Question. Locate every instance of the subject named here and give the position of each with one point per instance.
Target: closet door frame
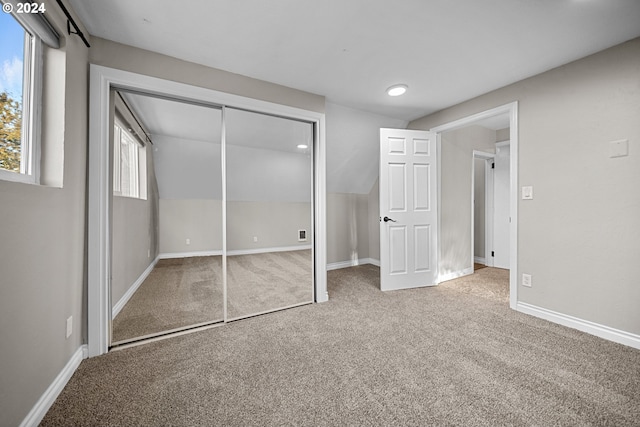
(102, 80)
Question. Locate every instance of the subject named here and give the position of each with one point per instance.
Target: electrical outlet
(526, 280)
(255, 239)
(188, 241)
(69, 326)
(148, 253)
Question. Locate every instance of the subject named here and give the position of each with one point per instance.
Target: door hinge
(493, 165)
(493, 253)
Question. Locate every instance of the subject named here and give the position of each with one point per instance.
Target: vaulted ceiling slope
(446, 51)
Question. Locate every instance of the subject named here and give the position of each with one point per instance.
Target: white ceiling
(446, 51)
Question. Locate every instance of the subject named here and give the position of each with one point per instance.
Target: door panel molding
(408, 232)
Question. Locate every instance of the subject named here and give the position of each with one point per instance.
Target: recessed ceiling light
(303, 146)
(397, 90)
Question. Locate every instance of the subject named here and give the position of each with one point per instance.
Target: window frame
(139, 178)
(30, 144)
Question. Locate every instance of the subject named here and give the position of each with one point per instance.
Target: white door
(501, 206)
(408, 209)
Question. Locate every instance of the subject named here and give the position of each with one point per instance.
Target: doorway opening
(456, 144)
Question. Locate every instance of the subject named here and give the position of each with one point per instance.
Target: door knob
(387, 219)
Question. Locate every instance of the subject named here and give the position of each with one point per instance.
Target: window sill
(6, 175)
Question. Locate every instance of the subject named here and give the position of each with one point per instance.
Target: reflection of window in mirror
(130, 163)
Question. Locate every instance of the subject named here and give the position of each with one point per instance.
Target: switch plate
(527, 193)
(526, 280)
(69, 326)
(255, 239)
(188, 241)
(619, 148)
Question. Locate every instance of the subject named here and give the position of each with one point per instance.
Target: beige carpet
(268, 281)
(178, 293)
(182, 292)
(446, 356)
(490, 283)
(477, 266)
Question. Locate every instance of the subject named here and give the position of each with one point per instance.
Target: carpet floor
(449, 355)
(181, 292)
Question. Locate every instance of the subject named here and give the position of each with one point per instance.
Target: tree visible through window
(14, 48)
(10, 133)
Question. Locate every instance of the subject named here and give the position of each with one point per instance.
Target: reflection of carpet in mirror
(181, 292)
(268, 281)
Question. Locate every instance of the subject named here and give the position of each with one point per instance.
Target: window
(129, 163)
(19, 95)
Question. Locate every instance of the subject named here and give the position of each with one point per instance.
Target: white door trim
(488, 203)
(102, 79)
(512, 110)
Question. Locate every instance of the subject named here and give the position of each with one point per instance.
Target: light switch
(527, 193)
(619, 148)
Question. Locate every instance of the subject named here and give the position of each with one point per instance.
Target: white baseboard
(169, 255)
(352, 263)
(43, 404)
(132, 290)
(480, 260)
(267, 250)
(455, 274)
(323, 297)
(375, 262)
(602, 331)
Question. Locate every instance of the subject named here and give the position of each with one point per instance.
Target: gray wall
(374, 221)
(502, 134)
(135, 230)
(268, 196)
(347, 227)
(255, 174)
(579, 238)
(275, 224)
(353, 148)
(187, 169)
(42, 249)
(456, 155)
(353, 151)
(128, 58)
(199, 220)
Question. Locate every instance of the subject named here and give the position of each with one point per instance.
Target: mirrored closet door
(166, 236)
(199, 191)
(269, 217)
